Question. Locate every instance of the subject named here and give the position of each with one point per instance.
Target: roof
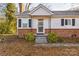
(66, 12)
(26, 13)
(41, 6)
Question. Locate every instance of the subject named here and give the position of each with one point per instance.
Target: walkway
(40, 38)
(58, 45)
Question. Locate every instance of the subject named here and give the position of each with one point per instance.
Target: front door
(40, 26)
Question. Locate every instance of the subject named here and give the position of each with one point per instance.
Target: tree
(9, 26)
(28, 6)
(10, 12)
(10, 16)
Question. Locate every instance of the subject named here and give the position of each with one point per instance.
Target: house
(42, 20)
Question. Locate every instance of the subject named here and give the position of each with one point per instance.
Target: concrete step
(40, 34)
(41, 39)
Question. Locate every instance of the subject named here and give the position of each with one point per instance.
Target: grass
(15, 47)
(2, 20)
(68, 40)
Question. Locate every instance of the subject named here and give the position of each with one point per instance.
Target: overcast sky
(56, 6)
(51, 6)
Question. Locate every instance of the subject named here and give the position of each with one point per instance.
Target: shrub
(60, 40)
(52, 37)
(29, 37)
(4, 28)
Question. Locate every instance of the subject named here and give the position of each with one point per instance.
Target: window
(70, 22)
(19, 23)
(67, 22)
(24, 24)
(40, 24)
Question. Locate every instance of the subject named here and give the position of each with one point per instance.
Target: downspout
(50, 24)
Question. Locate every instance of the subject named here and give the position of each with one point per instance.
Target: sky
(56, 6)
(51, 6)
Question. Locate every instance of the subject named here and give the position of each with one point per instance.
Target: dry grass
(21, 47)
(2, 20)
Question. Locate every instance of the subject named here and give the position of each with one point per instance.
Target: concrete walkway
(58, 45)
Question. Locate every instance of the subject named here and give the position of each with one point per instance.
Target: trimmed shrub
(29, 37)
(52, 37)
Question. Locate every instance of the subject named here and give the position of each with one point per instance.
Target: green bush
(29, 37)
(52, 38)
(4, 28)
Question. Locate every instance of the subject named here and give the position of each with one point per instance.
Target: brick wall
(59, 32)
(64, 32)
(22, 32)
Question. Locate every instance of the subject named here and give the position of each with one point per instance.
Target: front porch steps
(41, 38)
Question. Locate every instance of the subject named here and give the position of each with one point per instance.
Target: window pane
(24, 24)
(40, 24)
(69, 22)
(40, 29)
(66, 22)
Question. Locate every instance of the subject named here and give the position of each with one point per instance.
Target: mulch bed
(19, 47)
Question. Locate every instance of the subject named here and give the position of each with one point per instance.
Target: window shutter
(73, 22)
(30, 22)
(19, 23)
(62, 22)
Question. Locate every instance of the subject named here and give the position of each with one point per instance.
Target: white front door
(40, 28)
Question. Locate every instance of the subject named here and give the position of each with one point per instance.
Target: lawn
(15, 47)
(2, 20)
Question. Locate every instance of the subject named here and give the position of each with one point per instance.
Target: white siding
(77, 22)
(56, 24)
(34, 23)
(40, 11)
(46, 23)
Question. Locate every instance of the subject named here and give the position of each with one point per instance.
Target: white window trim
(22, 24)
